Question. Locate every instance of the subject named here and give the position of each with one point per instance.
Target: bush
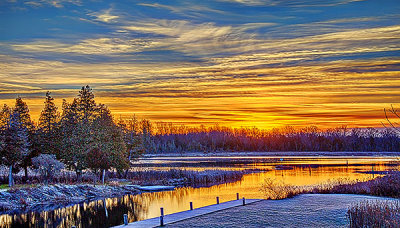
(273, 189)
(47, 166)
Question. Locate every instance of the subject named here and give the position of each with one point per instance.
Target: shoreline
(51, 197)
(277, 153)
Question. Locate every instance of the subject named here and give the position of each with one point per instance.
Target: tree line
(82, 136)
(216, 138)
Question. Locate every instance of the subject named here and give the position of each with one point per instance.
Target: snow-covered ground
(55, 196)
(308, 210)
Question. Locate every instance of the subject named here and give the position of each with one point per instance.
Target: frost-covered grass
(53, 196)
(374, 214)
(307, 210)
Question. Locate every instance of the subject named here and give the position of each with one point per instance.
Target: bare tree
(394, 125)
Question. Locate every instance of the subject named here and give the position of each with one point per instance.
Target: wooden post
(105, 207)
(125, 219)
(191, 206)
(104, 173)
(217, 199)
(244, 201)
(162, 217)
(237, 196)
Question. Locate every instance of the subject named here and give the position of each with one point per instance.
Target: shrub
(273, 189)
(47, 166)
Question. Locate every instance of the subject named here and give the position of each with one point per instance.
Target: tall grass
(276, 190)
(374, 214)
(388, 186)
(185, 177)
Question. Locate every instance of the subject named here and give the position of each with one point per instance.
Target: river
(305, 171)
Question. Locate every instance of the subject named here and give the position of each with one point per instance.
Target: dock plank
(171, 218)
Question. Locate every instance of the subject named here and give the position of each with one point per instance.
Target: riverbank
(41, 197)
(307, 210)
(20, 200)
(276, 154)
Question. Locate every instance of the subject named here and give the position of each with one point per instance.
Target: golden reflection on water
(90, 214)
(147, 205)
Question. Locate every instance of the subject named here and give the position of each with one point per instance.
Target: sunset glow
(264, 63)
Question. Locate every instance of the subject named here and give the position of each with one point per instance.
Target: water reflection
(147, 205)
(91, 214)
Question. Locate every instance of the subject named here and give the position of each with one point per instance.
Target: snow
(308, 210)
(155, 188)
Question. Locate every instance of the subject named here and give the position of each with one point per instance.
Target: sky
(264, 63)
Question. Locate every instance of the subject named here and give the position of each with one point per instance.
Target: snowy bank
(55, 196)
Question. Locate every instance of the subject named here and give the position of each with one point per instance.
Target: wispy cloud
(243, 63)
(293, 3)
(104, 16)
(187, 9)
(54, 3)
(99, 46)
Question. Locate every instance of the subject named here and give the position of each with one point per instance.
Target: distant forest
(86, 135)
(213, 139)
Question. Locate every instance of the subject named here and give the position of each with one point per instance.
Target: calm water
(306, 171)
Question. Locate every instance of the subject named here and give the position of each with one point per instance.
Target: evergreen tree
(74, 140)
(47, 134)
(86, 104)
(5, 115)
(87, 127)
(23, 111)
(108, 140)
(15, 144)
(49, 116)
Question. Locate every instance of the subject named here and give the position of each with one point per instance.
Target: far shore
(278, 154)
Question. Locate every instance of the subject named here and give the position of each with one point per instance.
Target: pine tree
(5, 115)
(23, 111)
(77, 130)
(15, 144)
(86, 104)
(109, 142)
(47, 135)
(87, 130)
(74, 140)
(49, 116)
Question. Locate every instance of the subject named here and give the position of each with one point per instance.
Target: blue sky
(238, 62)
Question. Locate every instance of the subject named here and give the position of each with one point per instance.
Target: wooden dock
(171, 218)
